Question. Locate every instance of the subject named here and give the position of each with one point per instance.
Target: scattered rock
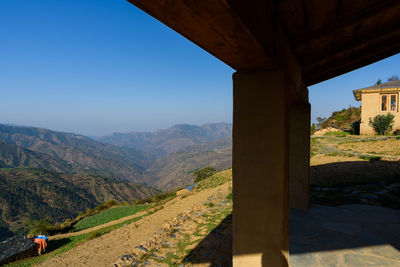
(158, 257)
(126, 257)
(141, 248)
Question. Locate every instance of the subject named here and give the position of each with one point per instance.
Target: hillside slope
(33, 193)
(175, 169)
(162, 142)
(343, 118)
(12, 155)
(149, 234)
(83, 154)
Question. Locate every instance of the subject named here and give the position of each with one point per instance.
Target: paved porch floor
(349, 235)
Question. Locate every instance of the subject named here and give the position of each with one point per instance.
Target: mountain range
(178, 151)
(70, 153)
(162, 142)
(58, 174)
(176, 169)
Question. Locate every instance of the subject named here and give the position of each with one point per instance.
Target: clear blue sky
(95, 67)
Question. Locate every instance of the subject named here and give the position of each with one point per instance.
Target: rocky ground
(345, 236)
(201, 236)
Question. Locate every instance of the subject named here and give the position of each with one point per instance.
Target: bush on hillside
(204, 173)
(39, 227)
(382, 124)
(157, 198)
(342, 119)
(370, 158)
(108, 204)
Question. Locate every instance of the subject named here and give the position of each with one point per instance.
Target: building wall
(370, 107)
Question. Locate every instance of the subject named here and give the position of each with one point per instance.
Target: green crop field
(108, 216)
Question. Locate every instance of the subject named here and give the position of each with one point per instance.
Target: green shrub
(39, 227)
(89, 212)
(209, 204)
(108, 204)
(382, 124)
(204, 173)
(371, 158)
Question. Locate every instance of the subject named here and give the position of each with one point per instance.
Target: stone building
(377, 100)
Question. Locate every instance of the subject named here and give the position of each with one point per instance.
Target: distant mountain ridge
(12, 155)
(162, 142)
(156, 159)
(176, 169)
(71, 153)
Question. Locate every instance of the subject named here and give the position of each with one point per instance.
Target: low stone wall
(15, 248)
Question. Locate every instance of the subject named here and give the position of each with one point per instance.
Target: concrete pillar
(261, 124)
(299, 155)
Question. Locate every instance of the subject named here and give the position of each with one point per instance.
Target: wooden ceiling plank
(331, 72)
(354, 41)
(347, 21)
(212, 26)
(348, 60)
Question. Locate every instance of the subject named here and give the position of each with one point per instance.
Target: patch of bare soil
(108, 248)
(324, 159)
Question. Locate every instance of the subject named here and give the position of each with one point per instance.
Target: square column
(299, 156)
(261, 126)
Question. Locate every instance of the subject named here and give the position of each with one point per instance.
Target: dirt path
(105, 250)
(139, 214)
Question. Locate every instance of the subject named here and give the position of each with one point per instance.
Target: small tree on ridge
(204, 173)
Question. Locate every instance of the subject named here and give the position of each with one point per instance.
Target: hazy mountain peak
(164, 141)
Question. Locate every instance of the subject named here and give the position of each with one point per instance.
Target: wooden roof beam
(385, 34)
(349, 21)
(212, 25)
(361, 55)
(246, 36)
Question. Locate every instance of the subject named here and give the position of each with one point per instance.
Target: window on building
(393, 103)
(384, 103)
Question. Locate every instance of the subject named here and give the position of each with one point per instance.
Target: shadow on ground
(354, 173)
(56, 244)
(216, 247)
(348, 235)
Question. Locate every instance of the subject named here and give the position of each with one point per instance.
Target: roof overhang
(325, 38)
(357, 93)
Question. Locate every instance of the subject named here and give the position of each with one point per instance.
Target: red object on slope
(41, 245)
